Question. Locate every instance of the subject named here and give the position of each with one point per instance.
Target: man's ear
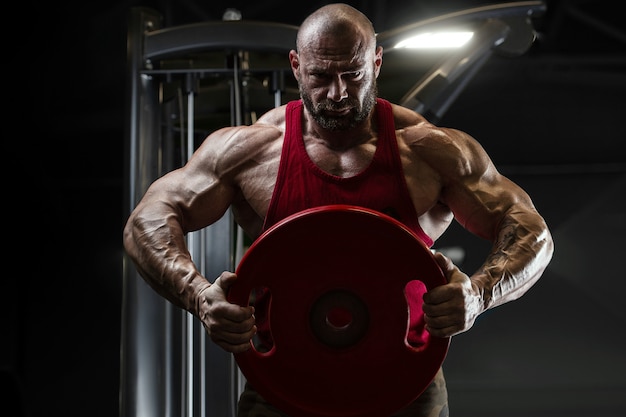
(378, 60)
(294, 62)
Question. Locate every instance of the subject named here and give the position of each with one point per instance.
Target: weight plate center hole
(339, 318)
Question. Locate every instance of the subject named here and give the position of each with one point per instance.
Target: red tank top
(381, 186)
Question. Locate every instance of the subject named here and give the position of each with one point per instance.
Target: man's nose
(337, 90)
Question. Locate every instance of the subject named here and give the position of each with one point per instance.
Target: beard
(358, 111)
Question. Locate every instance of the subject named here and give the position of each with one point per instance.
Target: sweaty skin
(449, 175)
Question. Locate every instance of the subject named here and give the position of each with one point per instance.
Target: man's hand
(230, 326)
(451, 308)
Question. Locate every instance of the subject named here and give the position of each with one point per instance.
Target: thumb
(225, 280)
(445, 263)
(449, 269)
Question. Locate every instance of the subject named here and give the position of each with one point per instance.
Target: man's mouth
(337, 112)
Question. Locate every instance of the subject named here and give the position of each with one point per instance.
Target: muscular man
(339, 144)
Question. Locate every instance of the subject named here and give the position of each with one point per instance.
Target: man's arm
(184, 200)
(522, 244)
(154, 238)
(181, 201)
(493, 207)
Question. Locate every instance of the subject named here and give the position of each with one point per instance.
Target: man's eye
(354, 75)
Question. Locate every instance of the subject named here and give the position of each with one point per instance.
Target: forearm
(156, 244)
(521, 252)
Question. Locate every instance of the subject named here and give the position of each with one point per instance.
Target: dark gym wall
(552, 120)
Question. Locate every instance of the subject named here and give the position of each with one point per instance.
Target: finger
(444, 325)
(233, 336)
(438, 305)
(439, 322)
(233, 347)
(238, 325)
(445, 331)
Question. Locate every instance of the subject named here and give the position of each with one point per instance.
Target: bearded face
(322, 111)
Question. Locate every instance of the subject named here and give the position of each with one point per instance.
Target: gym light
(434, 40)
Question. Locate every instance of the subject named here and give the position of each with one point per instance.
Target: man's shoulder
(405, 117)
(428, 139)
(269, 126)
(274, 118)
(244, 141)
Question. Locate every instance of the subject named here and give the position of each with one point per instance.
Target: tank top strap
(293, 125)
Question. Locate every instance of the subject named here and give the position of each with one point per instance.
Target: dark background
(552, 120)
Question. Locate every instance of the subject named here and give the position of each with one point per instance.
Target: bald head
(336, 20)
(336, 65)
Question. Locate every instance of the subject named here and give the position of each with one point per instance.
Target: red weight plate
(339, 314)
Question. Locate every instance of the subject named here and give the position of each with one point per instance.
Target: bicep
(478, 195)
(482, 203)
(195, 195)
